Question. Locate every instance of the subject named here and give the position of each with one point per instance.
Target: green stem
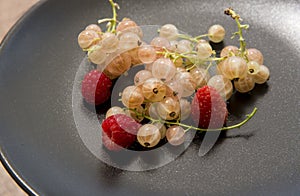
(114, 18)
(249, 116)
(242, 41)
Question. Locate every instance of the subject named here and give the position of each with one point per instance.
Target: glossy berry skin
(244, 85)
(96, 87)
(208, 108)
(216, 33)
(175, 135)
(148, 135)
(262, 75)
(119, 131)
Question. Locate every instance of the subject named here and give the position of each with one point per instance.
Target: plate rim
(3, 159)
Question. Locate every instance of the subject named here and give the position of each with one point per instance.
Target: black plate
(41, 147)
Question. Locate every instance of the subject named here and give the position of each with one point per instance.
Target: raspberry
(119, 131)
(96, 87)
(208, 108)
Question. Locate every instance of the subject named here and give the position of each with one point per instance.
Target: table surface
(10, 12)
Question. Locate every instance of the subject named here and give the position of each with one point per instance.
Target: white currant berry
(222, 85)
(216, 33)
(136, 113)
(113, 111)
(132, 97)
(229, 50)
(174, 89)
(168, 108)
(97, 55)
(262, 75)
(129, 41)
(253, 67)
(87, 38)
(109, 42)
(141, 76)
(148, 135)
(184, 46)
(255, 55)
(162, 129)
(94, 27)
(200, 75)
(116, 65)
(185, 109)
(160, 42)
(147, 54)
(154, 89)
(244, 85)
(204, 50)
(125, 24)
(169, 31)
(163, 69)
(234, 67)
(151, 110)
(175, 135)
(187, 83)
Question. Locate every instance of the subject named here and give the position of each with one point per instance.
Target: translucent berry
(147, 54)
(117, 65)
(262, 76)
(169, 31)
(204, 50)
(174, 89)
(163, 69)
(253, 67)
(234, 67)
(184, 46)
(129, 41)
(154, 89)
(109, 42)
(222, 85)
(94, 27)
(200, 75)
(151, 110)
(148, 135)
(136, 113)
(125, 24)
(255, 55)
(244, 85)
(160, 42)
(228, 50)
(87, 38)
(185, 109)
(97, 55)
(175, 135)
(216, 33)
(169, 108)
(132, 97)
(141, 76)
(162, 129)
(187, 83)
(113, 111)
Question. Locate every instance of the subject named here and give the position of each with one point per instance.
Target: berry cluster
(175, 85)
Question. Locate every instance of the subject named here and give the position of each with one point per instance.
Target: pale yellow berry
(169, 108)
(222, 85)
(175, 135)
(113, 111)
(148, 135)
(244, 85)
(234, 67)
(216, 33)
(132, 97)
(262, 76)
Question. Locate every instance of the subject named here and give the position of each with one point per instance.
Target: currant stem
(236, 17)
(189, 127)
(113, 25)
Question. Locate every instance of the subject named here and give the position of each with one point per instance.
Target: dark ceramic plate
(40, 145)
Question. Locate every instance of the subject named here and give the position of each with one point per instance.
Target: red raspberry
(119, 131)
(95, 87)
(208, 108)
